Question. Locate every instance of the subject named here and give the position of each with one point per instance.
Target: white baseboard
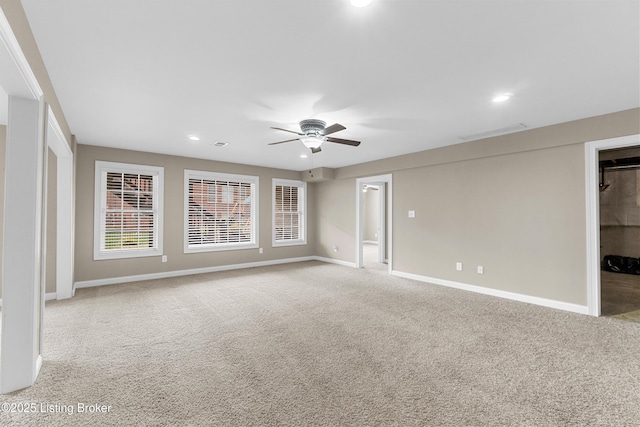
(560, 305)
(47, 297)
(177, 273)
(335, 261)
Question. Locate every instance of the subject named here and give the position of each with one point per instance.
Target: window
(289, 213)
(220, 211)
(128, 210)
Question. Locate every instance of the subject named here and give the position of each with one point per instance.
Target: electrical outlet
(458, 266)
(260, 250)
(164, 258)
(480, 269)
(335, 248)
(412, 214)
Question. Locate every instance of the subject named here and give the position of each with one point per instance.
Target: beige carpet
(320, 344)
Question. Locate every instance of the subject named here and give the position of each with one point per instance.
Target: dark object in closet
(621, 264)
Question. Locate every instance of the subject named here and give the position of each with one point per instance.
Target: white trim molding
(592, 151)
(301, 212)
(22, 325)
(64, 206)
(177, 273)
(560, 305)
(385, 236)
(229, 181)
(101, 195)
(335, 261)
(19, 79)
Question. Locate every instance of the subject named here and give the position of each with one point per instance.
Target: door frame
(592, 151)
(64, 207)
(23, 298)
(385, 239)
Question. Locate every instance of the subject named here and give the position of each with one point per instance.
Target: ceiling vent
(487, 134)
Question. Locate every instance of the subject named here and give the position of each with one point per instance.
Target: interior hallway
(370, 257)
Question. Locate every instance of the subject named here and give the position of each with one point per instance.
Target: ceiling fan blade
(287, 130)
(331, 129)
(344, 141)
(316, 150)
(280, 142)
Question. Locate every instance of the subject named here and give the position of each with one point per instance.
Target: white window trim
(289, 183)
(102, 168)
(195, 174)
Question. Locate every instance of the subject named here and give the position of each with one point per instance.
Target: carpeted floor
(319, 344)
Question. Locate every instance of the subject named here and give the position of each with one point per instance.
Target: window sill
(124, 254)
(288, 243)
(205, 248)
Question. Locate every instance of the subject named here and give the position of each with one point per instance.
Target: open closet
(619, 200)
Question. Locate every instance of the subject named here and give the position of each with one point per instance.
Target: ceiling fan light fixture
(312, 141)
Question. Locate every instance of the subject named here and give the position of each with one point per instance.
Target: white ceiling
(401, 75)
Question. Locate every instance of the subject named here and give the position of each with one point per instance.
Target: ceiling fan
(314, 133)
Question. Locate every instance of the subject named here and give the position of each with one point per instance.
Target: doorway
(373, 218)
(619, 209)
(600, 300)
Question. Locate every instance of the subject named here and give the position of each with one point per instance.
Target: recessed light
(194, 138)
(303, 156)
(360, 3)
(502, 97)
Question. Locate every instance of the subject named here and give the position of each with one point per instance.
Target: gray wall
(88, 269)
(335, 224)
(520, 216)
(514, 204)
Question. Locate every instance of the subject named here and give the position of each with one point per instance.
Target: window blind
(288, 212)
(221, 211)
(128, 210)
